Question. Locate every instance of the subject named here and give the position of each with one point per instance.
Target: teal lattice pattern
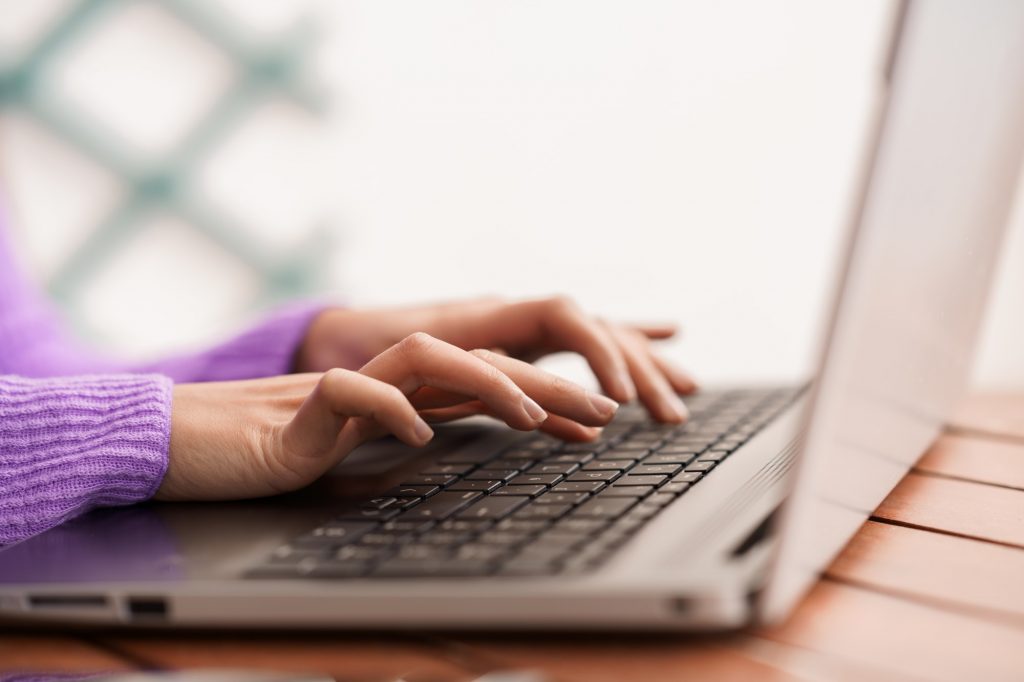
(264, 69)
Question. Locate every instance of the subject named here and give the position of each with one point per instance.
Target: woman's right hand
(243, 439)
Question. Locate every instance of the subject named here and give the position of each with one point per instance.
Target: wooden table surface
(932, 588)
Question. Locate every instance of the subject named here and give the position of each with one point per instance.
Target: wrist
(333, 340)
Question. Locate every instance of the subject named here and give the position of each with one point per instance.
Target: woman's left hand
(620, 355)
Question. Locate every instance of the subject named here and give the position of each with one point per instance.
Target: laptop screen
(923, 244)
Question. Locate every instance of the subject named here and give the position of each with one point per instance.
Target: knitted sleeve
(72, 444)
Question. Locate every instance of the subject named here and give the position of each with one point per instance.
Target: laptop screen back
(912, 293)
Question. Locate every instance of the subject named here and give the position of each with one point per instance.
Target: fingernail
(422, 430)
(535, 411)
(603, 405)
(677, 406)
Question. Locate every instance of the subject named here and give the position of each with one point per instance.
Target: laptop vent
(769, 475)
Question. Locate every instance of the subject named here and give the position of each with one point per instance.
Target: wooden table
(932, 588)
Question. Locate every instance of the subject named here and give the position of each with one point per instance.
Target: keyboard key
(572, 458)
(413, 491)
(625, 450)
(518, 464)
(514, 525)
(578, 486)
(400, 525)
(681, 449)
(450, 469)
(687, 477)
(536, 479)
(583, 447)
(519, 490)
(700, 466)
(428, 479)
(609, 464)
(484, 486)
(643, 480)
(464, 525)
(528, 566)
(535, 512)
(603, 507)
(378, 503)
(441, 505)
(521, 454)
(381, 539)
(468, 457)
(492, 474)
(445, 538)
(675, 487)
(645, 468)
(503, 538)
(662, 458)
(660, 499)
(577, 525)
(368, 515)
(564, 468)
(606, 476)
(712, 456)
(357, 553)
(343, 531)
(561, 498)
(619, 490)
(402, 568)
(422, 551)
(481, 552)
(493, 507)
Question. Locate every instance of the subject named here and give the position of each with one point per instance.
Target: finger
(567, 429)
(569, 328)
(680, 379)
(555, 425)
(656, 331)
(654, 389)
(421, 360)
(555, 394)
(428, 398)
(340, 395)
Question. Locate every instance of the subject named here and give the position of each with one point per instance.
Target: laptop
(721, 522)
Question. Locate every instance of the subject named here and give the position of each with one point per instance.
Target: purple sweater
(80, 430)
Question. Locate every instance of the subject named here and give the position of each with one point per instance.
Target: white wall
(657, 159)
(688, 161)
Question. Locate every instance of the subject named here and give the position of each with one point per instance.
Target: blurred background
(172, 167)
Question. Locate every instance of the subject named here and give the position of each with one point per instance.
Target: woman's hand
(245, 439)
(621, 356)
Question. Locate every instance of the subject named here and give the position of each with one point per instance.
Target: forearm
(73, 444)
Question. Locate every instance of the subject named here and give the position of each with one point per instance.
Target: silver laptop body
(753, 535)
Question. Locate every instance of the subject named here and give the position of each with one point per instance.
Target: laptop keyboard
(539, 507)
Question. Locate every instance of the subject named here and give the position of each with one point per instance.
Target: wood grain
(998, 413)
(967, 575)
(976, 459)
(346, 658)
(898, 637)
(972, 509)
(607, 658)
(54, 654)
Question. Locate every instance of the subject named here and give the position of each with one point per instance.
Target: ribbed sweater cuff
(68, 445)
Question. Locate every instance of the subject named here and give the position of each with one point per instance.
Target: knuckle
(332, 381)
(563, 387)
(482, 353)
(392, 396)
(562, 303)
(494, 378)
(416, 343)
